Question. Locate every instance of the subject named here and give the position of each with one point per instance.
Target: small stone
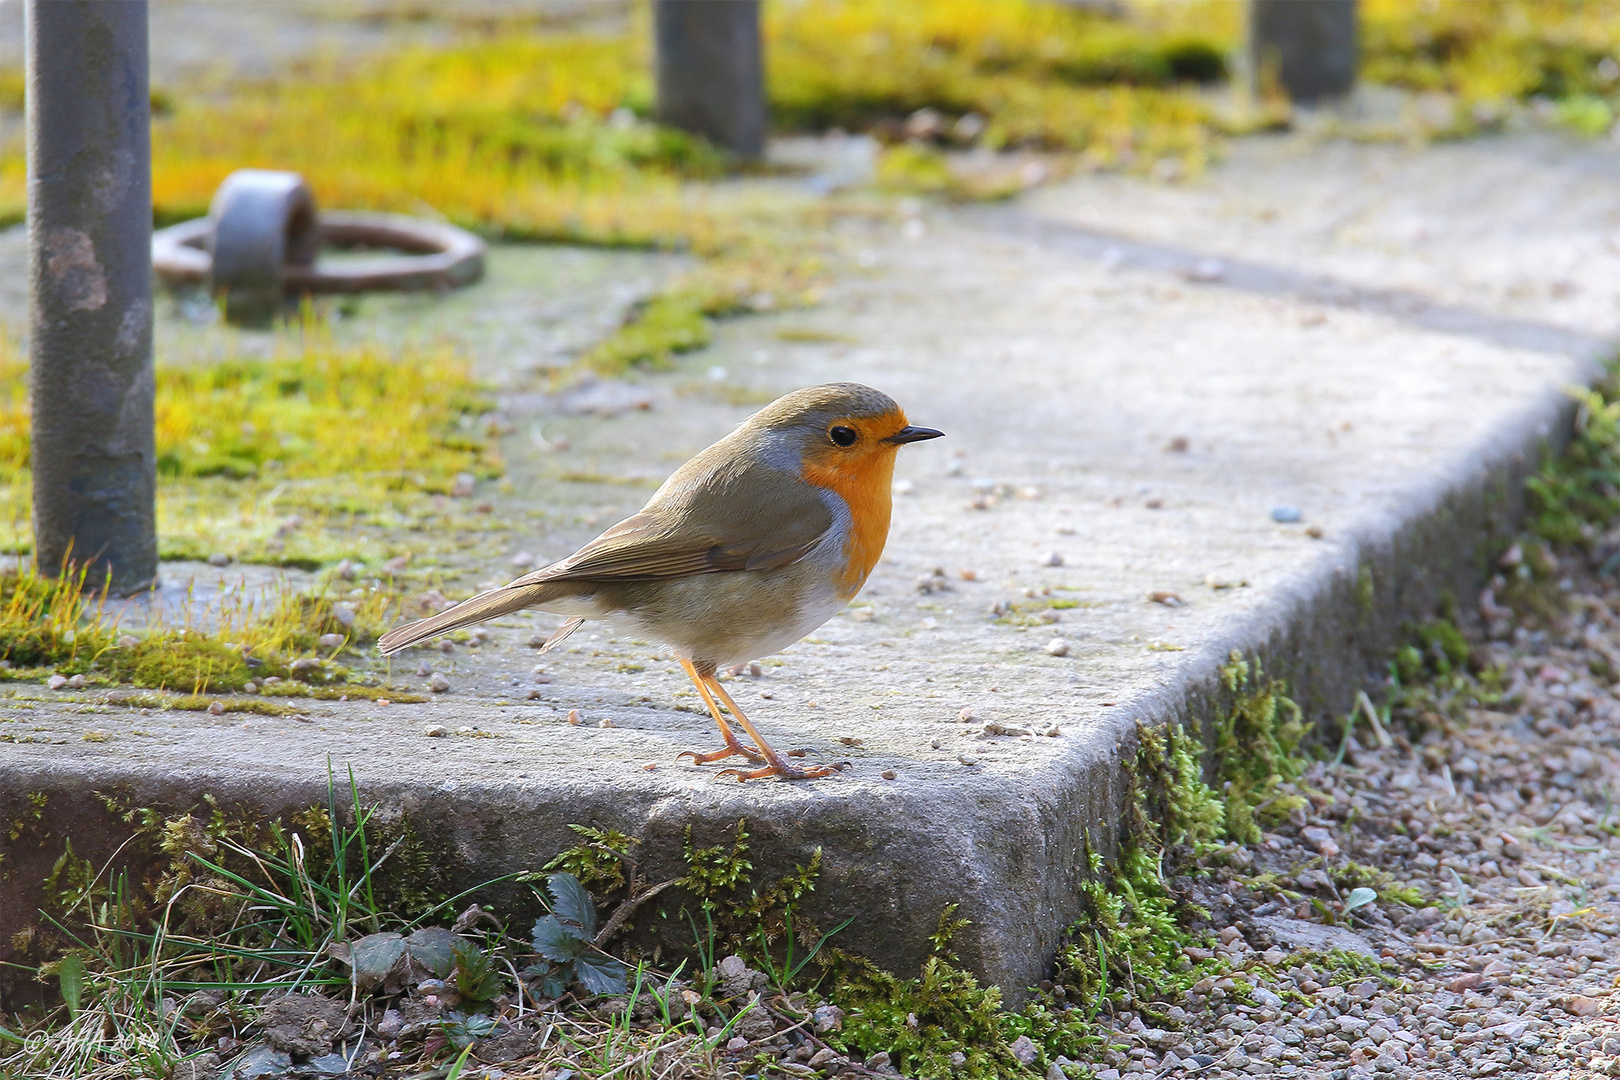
(447, 646)
(607, 723)
(533, 694)
(651, 766)
(737, 1043)
(383, 701)
(755, 670)
(128, 641)
(821, 1057)
(575, 718)
(1581, 1005)
(827, 1018)
(345, 570)
(1315, 532)
(76, 683)
(966, 716)
(1167, 598)
(438, 683)
(250, 687)
(434, 732)
(330, 641)
(1285, 514)
(390, 1024)
(967, 759)
(216, 708)
(863, 614)
(1057, 647)
(56, 682)
(304, 663)
(888, 774)
(1052, 558)
(219, 558)
(1023, 1048)
(344, 614)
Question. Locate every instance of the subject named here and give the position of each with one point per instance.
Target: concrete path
(1278, 409)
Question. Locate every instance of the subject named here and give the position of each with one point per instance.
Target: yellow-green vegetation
(60, 624)
(296, 460)
(1489, 53)
(1256, 748)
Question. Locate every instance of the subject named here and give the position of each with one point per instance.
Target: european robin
(747, 548)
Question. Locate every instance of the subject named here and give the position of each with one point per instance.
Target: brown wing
(752, 519)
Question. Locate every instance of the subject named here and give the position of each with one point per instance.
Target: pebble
(344, 614)
(889, 774)
(216, 708)
(1057, 647)
(1285, 514)
(219, 558)
(331, 641)
(575, 718)
(128, 641)
(1052, 558)
(532, 695)
(438, 683)
(434, 731)
(56, 682)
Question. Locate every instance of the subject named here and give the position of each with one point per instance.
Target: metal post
(710, 71)
(1308, 46)
(90, 275)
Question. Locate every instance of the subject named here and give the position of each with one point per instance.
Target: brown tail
(481, 608)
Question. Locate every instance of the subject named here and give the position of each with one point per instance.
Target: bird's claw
(723, 752)
(784, 770)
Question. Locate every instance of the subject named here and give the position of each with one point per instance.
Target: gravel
(1499, 813)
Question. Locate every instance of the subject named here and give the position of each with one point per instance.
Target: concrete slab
(1106, 400)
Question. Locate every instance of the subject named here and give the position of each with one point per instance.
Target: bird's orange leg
(775, 765)
(733, 747)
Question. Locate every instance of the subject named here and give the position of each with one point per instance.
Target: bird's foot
(782, 769)
(729, 750)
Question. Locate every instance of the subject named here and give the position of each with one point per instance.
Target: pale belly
(722, 619)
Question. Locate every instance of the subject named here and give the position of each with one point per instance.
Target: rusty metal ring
(439, 256)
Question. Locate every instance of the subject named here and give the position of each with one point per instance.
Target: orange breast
(864, 483)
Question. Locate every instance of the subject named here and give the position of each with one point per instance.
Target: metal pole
(90, 276)
(710, 71)
(1308, 46)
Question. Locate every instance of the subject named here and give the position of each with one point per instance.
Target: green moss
(1437, 649)
(1572, 494)
(598, 863)
(1256, 743)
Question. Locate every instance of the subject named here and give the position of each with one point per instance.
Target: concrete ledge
(1085, 382)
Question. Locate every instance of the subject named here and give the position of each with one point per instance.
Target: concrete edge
(1016, 875)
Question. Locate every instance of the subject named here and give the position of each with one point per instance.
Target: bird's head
(845, 432)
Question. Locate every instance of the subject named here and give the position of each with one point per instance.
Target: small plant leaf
(476, 976)
(372, 958)
(1359, 898)
(434, 948)
(600, 974)
(556, 941)
(572, 905)
(71, 976)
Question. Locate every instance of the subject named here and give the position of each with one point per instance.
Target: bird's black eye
(843, 436)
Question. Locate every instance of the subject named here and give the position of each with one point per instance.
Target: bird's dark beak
(913, 434)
